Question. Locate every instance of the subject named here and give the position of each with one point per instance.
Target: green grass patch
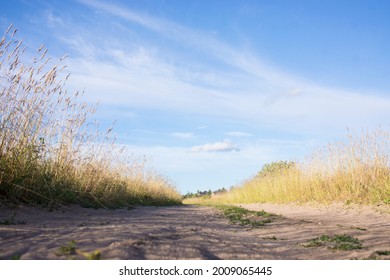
(359, 228)
(71, 251)
(270, 238)
(16, 257)
(383, 253)
(67, 250)
(245, 217)
(336, 242)
(95, 255)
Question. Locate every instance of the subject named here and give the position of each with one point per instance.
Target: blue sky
(209, 91)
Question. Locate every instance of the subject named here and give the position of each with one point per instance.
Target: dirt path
(188, 232)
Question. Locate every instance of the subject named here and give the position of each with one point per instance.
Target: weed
(383, 253)
(335, 242)
(67, 250)
(243, 217)
(317, 242)
(359, 228)
(71, 249)
(262, 213)
(270, 238)
(346, 242)
(95, 255)
(380, 255)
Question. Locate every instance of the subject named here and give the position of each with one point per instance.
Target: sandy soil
(188, 232)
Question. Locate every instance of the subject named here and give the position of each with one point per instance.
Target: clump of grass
(359, 228)
(317, 242)
(383, 253)
(380, 255)
(306, 221)
(356, 170)
(336, 242)
(52, 151)
(243, 217)
(67, 250)
(71, 250)
(95, 255)
(270, 238)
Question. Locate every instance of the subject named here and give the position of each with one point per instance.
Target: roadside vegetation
(52, 151)
(337, 242)
(70, 251)
(245, 217)
(355, 170)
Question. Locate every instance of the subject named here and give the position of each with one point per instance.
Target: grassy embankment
(356, 170)
(52, 151)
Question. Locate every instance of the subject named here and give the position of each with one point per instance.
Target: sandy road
(187, 232)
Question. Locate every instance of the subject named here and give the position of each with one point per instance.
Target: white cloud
(225, 146)
(53, 19)
(183, 135)
(202, 127)
(238, 134)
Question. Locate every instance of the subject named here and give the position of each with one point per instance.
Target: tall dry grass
(355, 170)
(51, 149)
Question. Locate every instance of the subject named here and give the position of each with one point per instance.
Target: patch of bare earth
(188, 232)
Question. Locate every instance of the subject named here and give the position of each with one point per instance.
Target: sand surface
(188, 232)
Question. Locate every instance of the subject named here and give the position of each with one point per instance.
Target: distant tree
(208, 193)
(275, 168)
(219, 191)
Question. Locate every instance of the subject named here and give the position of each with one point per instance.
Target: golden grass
(51, 150)
(356, 170)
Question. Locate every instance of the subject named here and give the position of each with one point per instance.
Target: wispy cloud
(225, 146)
(53, 19)
(238, 58)
(183, 135)
(238, 134)
(202, 127)
(248, 89)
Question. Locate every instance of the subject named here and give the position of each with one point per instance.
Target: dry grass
(51, 150)
(356, 170)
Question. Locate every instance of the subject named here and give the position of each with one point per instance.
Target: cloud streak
(225, 146)
(238, 134)
(249, 90)
(240, 59)
(183, 135)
